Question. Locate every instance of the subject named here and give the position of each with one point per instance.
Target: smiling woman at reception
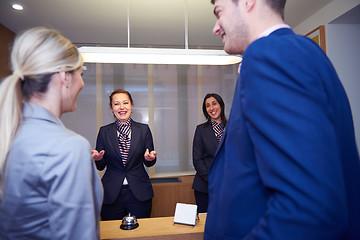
(206, 139)
(124, 147)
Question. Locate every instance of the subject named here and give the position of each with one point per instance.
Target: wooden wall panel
(166, 195)
(6, 40)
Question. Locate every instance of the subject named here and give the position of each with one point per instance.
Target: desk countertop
(153, 228)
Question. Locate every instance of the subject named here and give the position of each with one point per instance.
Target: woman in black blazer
(206, 140)
(124, 147)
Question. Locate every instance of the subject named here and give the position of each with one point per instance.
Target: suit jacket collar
(211, 135)
(135, 135)
(31, 110)
(281, 32)
(272, 29)
(114, 138)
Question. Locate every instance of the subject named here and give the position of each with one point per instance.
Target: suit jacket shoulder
(139, 124)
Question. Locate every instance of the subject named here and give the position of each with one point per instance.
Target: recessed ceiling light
(17, 7)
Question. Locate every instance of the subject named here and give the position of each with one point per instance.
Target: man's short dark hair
(277, 5)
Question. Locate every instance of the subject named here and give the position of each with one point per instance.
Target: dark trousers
(202, 201)
(126, 203)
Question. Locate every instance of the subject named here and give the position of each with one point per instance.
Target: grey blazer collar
(31, 110)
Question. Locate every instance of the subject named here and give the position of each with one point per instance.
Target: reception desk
(167, 194)
(154, 228)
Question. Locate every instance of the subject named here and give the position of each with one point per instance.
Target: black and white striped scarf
(218, 129)
(124, 130)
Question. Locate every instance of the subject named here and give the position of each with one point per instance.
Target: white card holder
(185, 214)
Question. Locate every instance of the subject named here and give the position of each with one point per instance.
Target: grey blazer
(52, 189)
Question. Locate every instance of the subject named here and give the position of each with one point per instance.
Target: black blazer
(134, 171)
(204, 148)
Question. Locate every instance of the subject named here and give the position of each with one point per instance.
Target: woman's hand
(97, 156)
(149, 156)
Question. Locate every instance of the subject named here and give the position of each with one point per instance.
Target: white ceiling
(157, 23)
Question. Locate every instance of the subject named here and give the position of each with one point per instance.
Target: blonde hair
(36, 54)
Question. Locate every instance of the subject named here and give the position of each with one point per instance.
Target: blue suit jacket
(204, 149)
(134, 171)
(287, 166)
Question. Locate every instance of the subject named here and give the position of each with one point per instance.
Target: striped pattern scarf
(124, 130)
(218, 129)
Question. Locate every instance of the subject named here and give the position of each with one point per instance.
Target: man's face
(230, 26)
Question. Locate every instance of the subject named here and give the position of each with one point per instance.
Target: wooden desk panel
(154, 228)
(166, 195)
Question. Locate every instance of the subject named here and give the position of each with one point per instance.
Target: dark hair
(235, 1)
(222, 106)
(120, 91)
(34, 86)
(276, 5)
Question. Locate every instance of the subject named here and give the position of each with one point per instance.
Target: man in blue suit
(287, 166)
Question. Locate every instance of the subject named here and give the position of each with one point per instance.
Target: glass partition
(166, 97)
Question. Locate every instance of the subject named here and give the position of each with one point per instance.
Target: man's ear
(249, 4)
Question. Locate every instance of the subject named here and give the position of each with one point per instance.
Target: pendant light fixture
(158, 55)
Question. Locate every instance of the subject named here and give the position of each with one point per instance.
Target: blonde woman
(49, 185)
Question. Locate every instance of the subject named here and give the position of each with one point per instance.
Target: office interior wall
(344, 52)
(6, 40)
(342, 44)
(331, 11)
